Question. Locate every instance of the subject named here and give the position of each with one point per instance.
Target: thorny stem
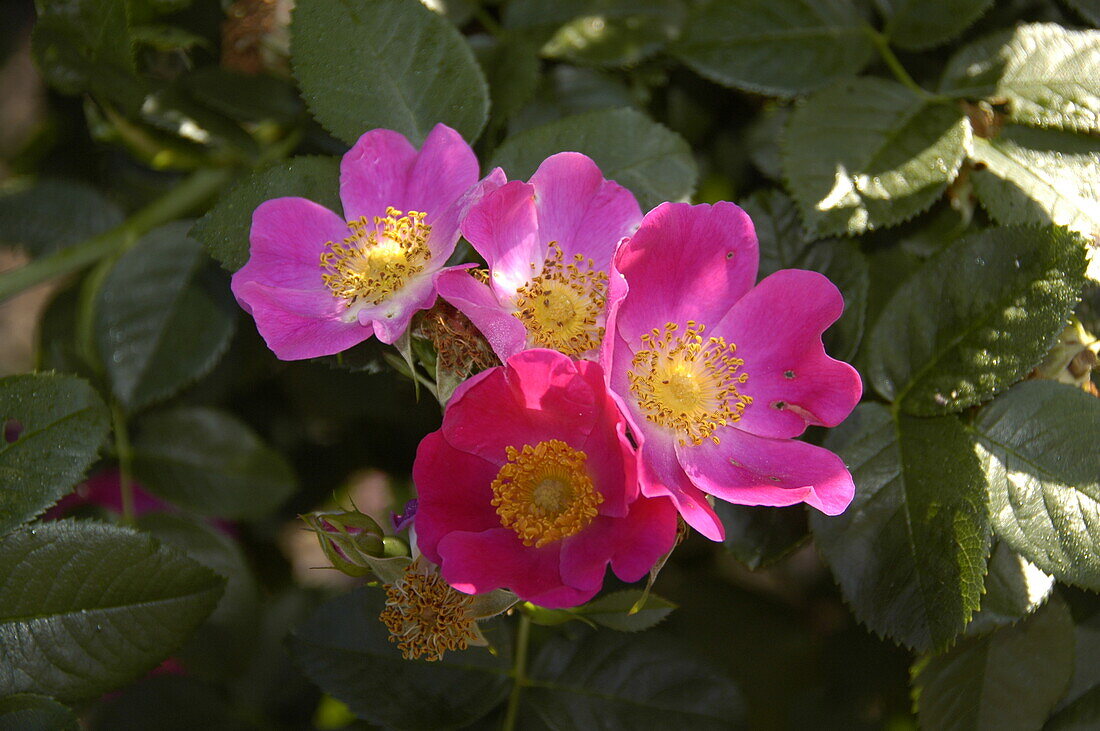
(125, 461)
(180, 200)
(519, 670)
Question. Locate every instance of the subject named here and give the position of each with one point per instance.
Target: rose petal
(746, 469)
(777, 330)
(580, 210)
(298, 324)
(685, 263)
(506, 334)
(374, 174)
(503, 228)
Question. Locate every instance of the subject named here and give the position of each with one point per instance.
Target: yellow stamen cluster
(425, 616)
(378, 258)
(544, 493)
(688, 382)
(561, 306)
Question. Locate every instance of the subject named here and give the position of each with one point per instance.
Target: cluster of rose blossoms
(643, 372)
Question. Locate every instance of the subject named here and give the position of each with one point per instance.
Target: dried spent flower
(426, 617)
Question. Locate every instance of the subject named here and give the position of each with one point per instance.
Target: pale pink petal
(374, 174)
(476, 563)
(505, 333)
(445, 170)
(660, 474)
(287, 239)
(533, 398)
(454, 490)
(391, 317)
(749, 470)
(685, 263)
(581, 211)
(503, 228)
(298, 324)
(777, 330)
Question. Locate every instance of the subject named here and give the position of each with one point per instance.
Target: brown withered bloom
(256, 36)
(426, 617)
(459, 346)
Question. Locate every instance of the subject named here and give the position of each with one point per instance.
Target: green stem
(175, 203)
(882, 43)
(125, 461)
(519, 671)
(488, 22)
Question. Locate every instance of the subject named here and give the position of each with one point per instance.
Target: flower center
(561, 307)
(544, 493)
(425, 616)
(377, 259)
(688, 382)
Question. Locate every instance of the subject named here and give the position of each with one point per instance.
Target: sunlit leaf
(868, 153)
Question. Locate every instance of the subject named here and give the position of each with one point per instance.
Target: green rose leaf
(345, 649)
(919, 24)
(53, 214)
(56, 425)
(611, 680)
(630, 148)
(209, 462)
(511, 66)
(1049, 75)
(975, 318)
(1037, 444)
(1010, 678)
(1039, 176)
(614, 610)
(189, 702)
(224, 229)
(220, 647)
(86, 607)
(869, 153)
(783, 241)
(1083, 714)
(363, 64)
(157, 327)
(778, 47)
(28, 712)
(1014, 588)
(1088, 9)
(757, 536)
(910, 552)
(86, 45)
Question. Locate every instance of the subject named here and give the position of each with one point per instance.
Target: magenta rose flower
(548, 244)
(717, 375)
(318, 283)
(531, 485)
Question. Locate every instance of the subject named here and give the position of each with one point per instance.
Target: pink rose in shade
(531, 485)
(318, 283)
(548, 244)
(717, 375)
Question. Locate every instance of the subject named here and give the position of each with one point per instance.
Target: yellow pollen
(688, 382)
(377, 259)
(544, 493)
(561, 307)
(425, 616)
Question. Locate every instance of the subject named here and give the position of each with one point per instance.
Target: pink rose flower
(531, 485)
(318, 283)
(717, 375)
(548, 244)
